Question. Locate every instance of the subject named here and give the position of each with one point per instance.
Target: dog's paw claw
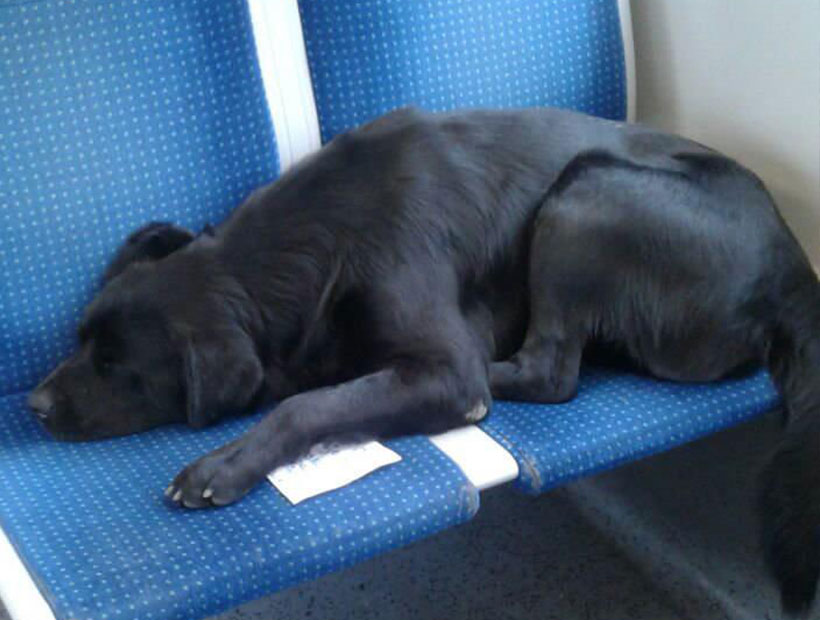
(217, 479)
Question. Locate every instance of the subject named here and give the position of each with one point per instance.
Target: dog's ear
(152, 242)
(222, 373)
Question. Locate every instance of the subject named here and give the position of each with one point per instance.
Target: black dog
(417, 267)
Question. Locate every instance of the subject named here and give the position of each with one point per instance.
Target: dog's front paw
(217, 479)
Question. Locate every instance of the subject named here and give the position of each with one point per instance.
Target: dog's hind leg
(545, 370)
(546, 367)
(650, 260)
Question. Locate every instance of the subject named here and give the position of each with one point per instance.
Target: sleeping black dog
(415, 268)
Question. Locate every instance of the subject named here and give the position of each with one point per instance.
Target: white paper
(328, 467)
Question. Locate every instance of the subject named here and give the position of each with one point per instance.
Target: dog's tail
(790, 482)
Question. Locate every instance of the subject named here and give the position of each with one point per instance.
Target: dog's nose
(42, 402)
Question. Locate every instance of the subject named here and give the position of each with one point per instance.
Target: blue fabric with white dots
(102, 542)
(619, 417)
(367, 57)
(113, 113)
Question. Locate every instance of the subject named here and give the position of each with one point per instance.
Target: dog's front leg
(413, 398)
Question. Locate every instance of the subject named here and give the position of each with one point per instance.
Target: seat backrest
(113, 114)
(367, 57)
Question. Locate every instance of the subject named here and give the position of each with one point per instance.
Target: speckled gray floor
(669, 538)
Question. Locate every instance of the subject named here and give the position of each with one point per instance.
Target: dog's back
(460, 189)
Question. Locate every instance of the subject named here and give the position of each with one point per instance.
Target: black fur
(413, 268)
(151, 242)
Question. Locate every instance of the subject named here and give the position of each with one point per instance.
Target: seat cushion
(367, 57)
(113, 114)
(616, 418)
(92, 525)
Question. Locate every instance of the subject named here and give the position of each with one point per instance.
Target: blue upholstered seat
(113, 114)
(94, 529)
(369, 57)
(617, 418)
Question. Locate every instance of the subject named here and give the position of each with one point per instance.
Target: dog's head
(159, 344)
